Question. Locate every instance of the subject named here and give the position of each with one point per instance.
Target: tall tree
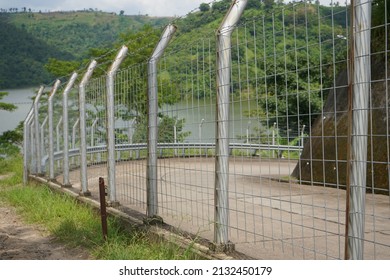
(204, 7)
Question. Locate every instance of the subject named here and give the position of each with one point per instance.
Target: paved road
(270, 216)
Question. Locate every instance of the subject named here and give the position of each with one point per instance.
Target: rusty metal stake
(103, 212)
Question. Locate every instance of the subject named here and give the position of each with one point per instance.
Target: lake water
(199, 118)
(22, 99)
(199, 115)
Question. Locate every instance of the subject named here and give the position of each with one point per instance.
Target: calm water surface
(199, 115)
(22, 99)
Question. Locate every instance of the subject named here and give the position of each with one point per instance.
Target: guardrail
(252, 148)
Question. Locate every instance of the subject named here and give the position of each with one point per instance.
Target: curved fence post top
(163, 43)
(118, 60)
(29, 116)
(39, 94)
(70, 83)
(231, 18)
(54, 89)
(88, 74)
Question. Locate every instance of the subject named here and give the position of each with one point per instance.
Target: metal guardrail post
(26, 142)
(359, 109)
(151, 172)
(69, 85)
(221, 195)
(51, 138)
(83, 129)
(111, 123)
(37, 127)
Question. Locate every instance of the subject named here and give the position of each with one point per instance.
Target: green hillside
(29, 40)
(77, 32)
(23, 56)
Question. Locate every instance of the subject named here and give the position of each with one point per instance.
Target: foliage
(6, 106)
(12, 167)
(9, 139)
(22, 57)
(14, 137)
(204, 7)
(77, 32)
(61, 68)
(221, 6)
(31, 40)
(8, 150)
(165, 132)
(268, 4)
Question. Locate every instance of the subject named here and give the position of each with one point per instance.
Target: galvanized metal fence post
(74, 128)
(42, 138)
(69, 85)
(92, 143)
(111, 123)
(51, 138)
(221, 191)
(58, 146)
(37, 127)
(361, 76)
(83, 129)
(130, 134)
(26, 144)
(33, 165)
(151, 173)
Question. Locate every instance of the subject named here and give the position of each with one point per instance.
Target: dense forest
(23, 56)
(29, 40)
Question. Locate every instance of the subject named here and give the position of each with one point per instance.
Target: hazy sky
(131, 7)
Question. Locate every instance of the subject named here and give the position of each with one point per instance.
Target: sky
(130, 7)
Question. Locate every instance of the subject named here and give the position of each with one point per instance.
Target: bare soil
(21, 241)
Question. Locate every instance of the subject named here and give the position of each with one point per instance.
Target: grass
(78, 225)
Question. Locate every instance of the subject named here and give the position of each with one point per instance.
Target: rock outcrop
(323, 159)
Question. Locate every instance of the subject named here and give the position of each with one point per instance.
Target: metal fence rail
(270, 137)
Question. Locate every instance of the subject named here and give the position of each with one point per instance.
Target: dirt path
(19, 241)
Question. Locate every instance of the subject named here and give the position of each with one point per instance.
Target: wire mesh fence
(253, 138)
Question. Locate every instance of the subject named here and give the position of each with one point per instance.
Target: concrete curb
(169, 236)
